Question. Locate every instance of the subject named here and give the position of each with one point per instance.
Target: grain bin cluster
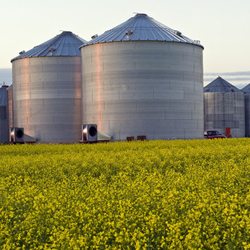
(138, 79)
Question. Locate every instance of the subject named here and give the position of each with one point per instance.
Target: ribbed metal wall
(3, 115)
(144, 88)
(247, 113)
(10, 106)
(47, 97)
(225, 110)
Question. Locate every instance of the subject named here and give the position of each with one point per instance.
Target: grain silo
(4, 128)
(47, 90)
(143, 78)
(246, 91)
(224, 108)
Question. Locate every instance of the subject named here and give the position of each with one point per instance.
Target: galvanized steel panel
(220, 85)
(3, 115)
(247, 113)
(47, 104)
(246, 90)
(10, 106)
(143, 88)
(141, 27)
(225, 110)
(64, 44)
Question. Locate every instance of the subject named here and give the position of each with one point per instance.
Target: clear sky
(222, 26)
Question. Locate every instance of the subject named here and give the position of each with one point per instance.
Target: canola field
(128, 195)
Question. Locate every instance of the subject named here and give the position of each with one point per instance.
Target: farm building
(47, 90)
(224, 108)
(143, 78)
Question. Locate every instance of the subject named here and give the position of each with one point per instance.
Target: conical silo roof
(64, 44)
(246, 89)
(142, 27)
(220, 85)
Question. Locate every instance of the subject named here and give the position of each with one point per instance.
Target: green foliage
(128, 195)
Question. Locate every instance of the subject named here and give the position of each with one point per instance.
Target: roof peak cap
(66, 32)
(141, 14)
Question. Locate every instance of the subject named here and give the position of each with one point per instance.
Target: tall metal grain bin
(143, 78)
(4, 138)
(47, 90)
(246, 91)
(224, 107)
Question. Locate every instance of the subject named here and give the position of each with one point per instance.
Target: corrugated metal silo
(224, 107)
(246, 91)
(4, 128)
(143, 78)
(47, 90)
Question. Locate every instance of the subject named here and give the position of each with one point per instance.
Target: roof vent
(178, 33)
(94, 36)
(51, 50)
(128, 34)
(197, 42)
(21, 52)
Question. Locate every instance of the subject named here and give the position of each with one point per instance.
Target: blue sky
(222, 26)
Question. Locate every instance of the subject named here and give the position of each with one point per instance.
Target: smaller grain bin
(3, 115)
(224, 108)
(47, 90)
(246, 91)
